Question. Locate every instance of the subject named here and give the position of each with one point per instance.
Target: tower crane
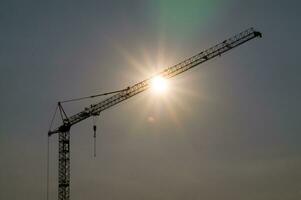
(63, 130)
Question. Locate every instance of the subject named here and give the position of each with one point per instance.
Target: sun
(159, 84)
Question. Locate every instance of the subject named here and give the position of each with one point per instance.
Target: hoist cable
(47, 162)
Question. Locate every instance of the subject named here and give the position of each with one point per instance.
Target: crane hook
(94, 135)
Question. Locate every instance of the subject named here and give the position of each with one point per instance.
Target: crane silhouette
(63, 130)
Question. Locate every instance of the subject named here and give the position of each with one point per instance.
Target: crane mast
(95, 109)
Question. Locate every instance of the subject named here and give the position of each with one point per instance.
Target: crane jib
(169, 72)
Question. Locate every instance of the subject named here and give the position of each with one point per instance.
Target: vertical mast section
(64, 157)
(64, 166)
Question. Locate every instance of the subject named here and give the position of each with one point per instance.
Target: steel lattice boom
(95, 109)
(183, 66)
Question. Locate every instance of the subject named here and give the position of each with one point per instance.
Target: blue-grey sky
(228, 129)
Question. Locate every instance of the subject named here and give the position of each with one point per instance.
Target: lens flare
(159, 84)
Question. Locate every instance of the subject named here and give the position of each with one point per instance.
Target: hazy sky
(228, 129)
